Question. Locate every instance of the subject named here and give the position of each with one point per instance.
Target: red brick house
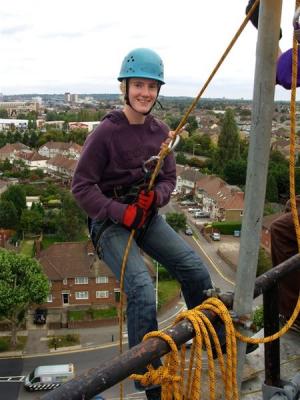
(78, 278)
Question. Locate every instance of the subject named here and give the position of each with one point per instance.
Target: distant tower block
(67, 97)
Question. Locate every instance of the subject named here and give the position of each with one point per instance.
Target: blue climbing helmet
(142, 63)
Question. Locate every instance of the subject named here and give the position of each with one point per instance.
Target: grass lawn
(79, 315)
(27, 247)
(76, 315)
(167, 290)
(5, 343)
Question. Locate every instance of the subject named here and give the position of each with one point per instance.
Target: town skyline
(83, 54)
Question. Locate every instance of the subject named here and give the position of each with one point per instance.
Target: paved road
(223, 276)
(10, 368)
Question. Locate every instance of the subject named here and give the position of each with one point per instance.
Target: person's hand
(146, 199)
(169, 139)
(296, 24)
(134, 216)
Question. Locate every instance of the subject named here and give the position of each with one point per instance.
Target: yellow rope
(183, 121)
(171, 377)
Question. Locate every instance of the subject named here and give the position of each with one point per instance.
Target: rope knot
(159, 376)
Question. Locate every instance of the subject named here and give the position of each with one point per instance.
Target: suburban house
(30, 200)
(89, 126)
(60, 165)
(8, 123)
(78, 278)
(224, 202)
(186, 179)
(8, 151)
(52, 149)
(32, 159)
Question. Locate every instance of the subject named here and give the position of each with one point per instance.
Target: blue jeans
(164, 245)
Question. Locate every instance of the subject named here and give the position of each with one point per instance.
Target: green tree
(31, 221)
(72, 220)
(22, 284)
(271, 189)
(228, 142)
(33, 139)
(8, 215)
(5, 166)
(16, 194)
(176, 220)
(181, 159)
(78, 136)
(235, 172)
(3, 113)
(192, 125)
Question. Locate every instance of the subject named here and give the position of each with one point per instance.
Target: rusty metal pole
(120, 367)
(257, 170)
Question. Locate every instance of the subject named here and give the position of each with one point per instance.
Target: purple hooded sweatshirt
(112, 156)
(284, 69)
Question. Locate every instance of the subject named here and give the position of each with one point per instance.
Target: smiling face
(142, 94)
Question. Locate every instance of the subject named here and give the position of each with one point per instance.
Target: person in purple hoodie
(285, 59)
(108, 186)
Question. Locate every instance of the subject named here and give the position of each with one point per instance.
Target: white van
(48, 377)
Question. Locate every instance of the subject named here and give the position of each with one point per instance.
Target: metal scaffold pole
(258, 159)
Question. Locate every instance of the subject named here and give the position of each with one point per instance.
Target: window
(101, 279)
(81, 280)
(65, 281)
(49, 298)
(81, 295)
(102, 294)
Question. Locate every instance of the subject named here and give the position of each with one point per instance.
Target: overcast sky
(78, 46)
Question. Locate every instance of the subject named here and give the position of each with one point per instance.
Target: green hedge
(227, 228)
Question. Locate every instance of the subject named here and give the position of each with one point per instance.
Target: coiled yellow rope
(171, 375)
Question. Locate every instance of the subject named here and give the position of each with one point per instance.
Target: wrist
(116, 211)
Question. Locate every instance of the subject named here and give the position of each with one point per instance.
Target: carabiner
(173, 144)
(150, 164)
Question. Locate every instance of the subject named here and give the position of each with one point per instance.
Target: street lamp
(194, 145)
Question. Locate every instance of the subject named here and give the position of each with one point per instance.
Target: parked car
(188, 231)
(201, 214)
(40, 316)
(215, 236)
(194, 210)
